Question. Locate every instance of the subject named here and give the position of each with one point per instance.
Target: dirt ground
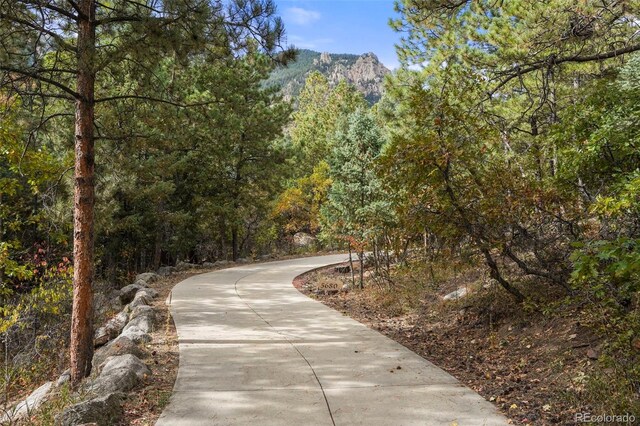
(529, 365)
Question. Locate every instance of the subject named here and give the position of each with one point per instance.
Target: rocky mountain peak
(325, 58)
(365, 72)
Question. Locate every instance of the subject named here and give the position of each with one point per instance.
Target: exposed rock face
(365, 72)
(325, 58)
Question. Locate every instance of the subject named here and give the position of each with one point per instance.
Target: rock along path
(255, 351)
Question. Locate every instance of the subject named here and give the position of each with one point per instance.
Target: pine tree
(356, 201)
(70, 45)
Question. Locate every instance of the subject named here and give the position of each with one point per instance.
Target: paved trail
(255, 351)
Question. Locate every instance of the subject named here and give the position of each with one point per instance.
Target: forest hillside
(141, 136)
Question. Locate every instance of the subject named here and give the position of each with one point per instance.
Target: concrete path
(255, 351)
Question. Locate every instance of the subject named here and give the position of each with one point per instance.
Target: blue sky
(341, 26)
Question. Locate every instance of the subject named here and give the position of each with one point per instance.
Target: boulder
(148, 277)
(142, 310)
(103, 411)
(221, 263)
(136, 335)
(64, 378)
(164, 271)
(142, 323)
(101, 304)
(111, 329)
(119, 380)
(184, 266)
(141, 283)
(125, 362)
(150, 292)
(122, 345)
(455, 295)
(208, 265)
(127, 293)
(302, 239)
(119, 374)
(141, 298)
(31, 403)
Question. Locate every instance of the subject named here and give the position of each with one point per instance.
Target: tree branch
(40, 29)
(48, 5)
(159, 100)
(553, 61)
(35, 76)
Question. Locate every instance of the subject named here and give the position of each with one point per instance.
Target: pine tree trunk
(222, 246)
(353, 278)
(361, 256)
(157, 249)
(234, 242)
(84, 198)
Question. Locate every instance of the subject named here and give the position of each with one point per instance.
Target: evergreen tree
(321, 113)
(356, 201)
(70, 47)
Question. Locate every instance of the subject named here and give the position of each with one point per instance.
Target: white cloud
(301, 16)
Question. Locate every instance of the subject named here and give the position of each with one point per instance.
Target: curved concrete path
(255, 351)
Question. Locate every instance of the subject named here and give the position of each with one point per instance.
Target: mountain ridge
(365, 72)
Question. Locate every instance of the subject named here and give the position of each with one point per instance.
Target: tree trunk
(353, 278)
(222, 245)
(234, 242)
(84, 198)
(361, 256)
(425, 242)
(494, 272)
(376, 256)
(157, 249)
